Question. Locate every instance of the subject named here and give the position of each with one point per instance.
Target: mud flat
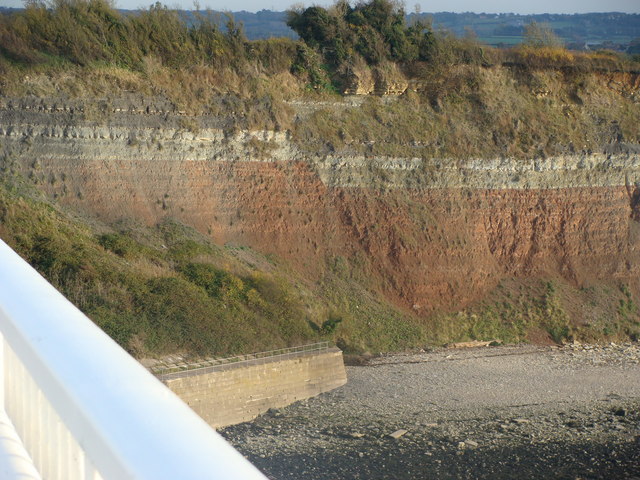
(496, 412)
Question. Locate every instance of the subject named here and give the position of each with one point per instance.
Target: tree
(375, 30)
(538, 35)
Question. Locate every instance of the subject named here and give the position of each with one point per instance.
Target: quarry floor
(569, 412)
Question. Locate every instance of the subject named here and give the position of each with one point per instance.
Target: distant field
(617, 28)
(496, 40)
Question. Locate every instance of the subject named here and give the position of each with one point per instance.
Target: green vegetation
(376, 31)
(543, 311)
(540, 36)
(83, 32)
(89, 49)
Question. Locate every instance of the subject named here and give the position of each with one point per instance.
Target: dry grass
(472, 111)
(543, 57)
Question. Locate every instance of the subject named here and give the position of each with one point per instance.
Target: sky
(486, 6)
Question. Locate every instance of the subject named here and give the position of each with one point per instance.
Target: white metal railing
(81, 406)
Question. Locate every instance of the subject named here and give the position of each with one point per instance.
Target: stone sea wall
(235, 393)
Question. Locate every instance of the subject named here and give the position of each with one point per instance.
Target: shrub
(375, 30)
(538, 35)
(218, 283)
(86, 31)
(119, 244)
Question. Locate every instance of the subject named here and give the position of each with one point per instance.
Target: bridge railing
(81, 406)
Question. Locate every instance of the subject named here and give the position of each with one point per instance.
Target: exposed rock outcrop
(427, 233)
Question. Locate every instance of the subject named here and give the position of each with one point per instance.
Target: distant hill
(504, 29)
(264, 24)
(611, 30)
(594, 30)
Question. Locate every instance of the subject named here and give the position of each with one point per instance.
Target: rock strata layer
(426, 233)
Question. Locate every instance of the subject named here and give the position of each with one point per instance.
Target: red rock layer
(425, 249)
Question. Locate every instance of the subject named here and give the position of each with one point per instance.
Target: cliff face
(426, 234)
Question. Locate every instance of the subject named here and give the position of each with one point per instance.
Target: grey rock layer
(47, 133)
